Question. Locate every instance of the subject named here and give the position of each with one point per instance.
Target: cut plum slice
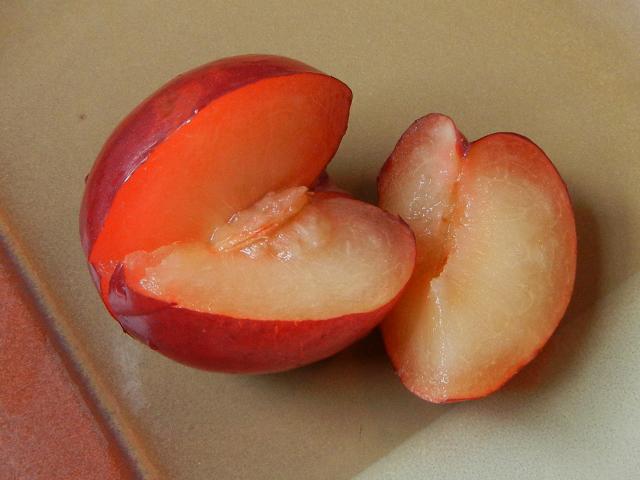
(507, 248)
(331, 257)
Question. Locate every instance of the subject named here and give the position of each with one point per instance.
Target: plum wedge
(204, 236)
(496, 245)
(323, 262)
(279, 297)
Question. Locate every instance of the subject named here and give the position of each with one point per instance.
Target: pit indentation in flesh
(258, 221)
(424, 192)
(293, 255)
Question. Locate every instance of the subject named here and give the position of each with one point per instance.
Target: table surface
(93, 403)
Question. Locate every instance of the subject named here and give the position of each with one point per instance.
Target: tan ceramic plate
(566, 74)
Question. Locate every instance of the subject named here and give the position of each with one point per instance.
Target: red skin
(234, 345)
(204, 340)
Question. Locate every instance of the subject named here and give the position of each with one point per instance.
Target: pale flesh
(507, 274)
(292, 256)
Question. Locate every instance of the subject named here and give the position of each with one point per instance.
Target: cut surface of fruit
(507, 248)
(276, 133)
(332, 256)
(248, 226)
(423, 191)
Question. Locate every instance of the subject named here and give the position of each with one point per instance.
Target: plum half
(496, 257)
(204, 237)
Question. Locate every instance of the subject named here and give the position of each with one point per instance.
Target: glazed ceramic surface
(565, 74)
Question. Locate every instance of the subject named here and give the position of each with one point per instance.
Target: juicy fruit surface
(422, 192)
(275, 133)
(508, 243)
(329, 257)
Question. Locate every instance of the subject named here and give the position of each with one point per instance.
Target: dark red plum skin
(234, 345)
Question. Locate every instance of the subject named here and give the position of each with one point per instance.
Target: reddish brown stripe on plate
(47, 431)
